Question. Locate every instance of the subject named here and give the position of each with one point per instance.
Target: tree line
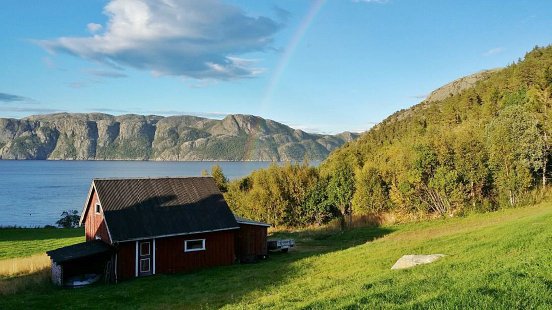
(485, 148)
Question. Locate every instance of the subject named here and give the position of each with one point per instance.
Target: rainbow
(289, 50)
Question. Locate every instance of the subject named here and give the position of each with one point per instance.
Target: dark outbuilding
(78, 259)
(251, 240)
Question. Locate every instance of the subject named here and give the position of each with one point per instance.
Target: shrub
(69, 219)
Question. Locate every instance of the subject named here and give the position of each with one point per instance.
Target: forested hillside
(481, 148)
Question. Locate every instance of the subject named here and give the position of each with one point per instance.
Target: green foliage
(69, 219)
(481, 149)
(317, 207)
(515, 147)
(230, 147)
(341, 186)
(371, 194)
(128, 148)
(220, 178)
(484, 148)
(282, 196)
(133, 148)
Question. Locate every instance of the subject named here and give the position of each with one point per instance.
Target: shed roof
(242, 220)
(79, 250)
(157, 207)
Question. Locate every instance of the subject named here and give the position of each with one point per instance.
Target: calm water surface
(34, 193)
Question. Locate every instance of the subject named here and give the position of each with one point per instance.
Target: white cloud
(78, 85)
(93, 27)
(18, 104)
(197, 39)
(493, 51)
(5, 97)
(326, 129)
(11, 99)
(166, 113)
(28, 110)
(106, 73)
(211, 115)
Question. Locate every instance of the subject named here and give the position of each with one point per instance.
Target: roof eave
(177, 234)
(254, 224)
(84, 208)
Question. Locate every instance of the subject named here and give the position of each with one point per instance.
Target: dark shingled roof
(154, 207)
(79, 250)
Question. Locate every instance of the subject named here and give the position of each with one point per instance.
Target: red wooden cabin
(162, 225)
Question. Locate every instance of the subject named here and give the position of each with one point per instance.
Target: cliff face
(98, 136)
(458, 85)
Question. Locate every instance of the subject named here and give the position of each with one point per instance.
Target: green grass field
(16, 242)
(497, 260)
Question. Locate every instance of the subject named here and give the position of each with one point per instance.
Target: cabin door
(145, 260)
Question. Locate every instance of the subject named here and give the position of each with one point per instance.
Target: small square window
(145, 265)
(144, 249)
(194, 245)
(98, 208)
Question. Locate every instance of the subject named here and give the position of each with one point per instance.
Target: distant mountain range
(97, 136)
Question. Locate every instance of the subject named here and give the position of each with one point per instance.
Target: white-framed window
(194, 245)
(145, 265)
(144, 248)
(97, 208)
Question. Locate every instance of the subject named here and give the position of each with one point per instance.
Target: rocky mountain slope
(97, 136)
(458, 85)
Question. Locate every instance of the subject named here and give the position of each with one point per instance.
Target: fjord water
(34, 193)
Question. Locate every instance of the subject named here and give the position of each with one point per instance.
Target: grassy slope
(15, 242)
(495, 260)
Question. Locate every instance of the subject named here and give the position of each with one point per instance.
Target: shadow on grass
(322, 241)
(15, 284)
(208, 288)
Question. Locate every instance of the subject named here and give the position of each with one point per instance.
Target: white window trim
(149, 248)
(136, 261)
(97, 208)
(149, 265)
(194, 250)
(153, 256)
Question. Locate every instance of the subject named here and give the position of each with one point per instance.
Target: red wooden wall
(251, 242)
(219, 250)
(94, 223)
(126, 255)
(171, 258)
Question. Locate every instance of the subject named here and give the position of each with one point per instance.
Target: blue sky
(322, 66)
